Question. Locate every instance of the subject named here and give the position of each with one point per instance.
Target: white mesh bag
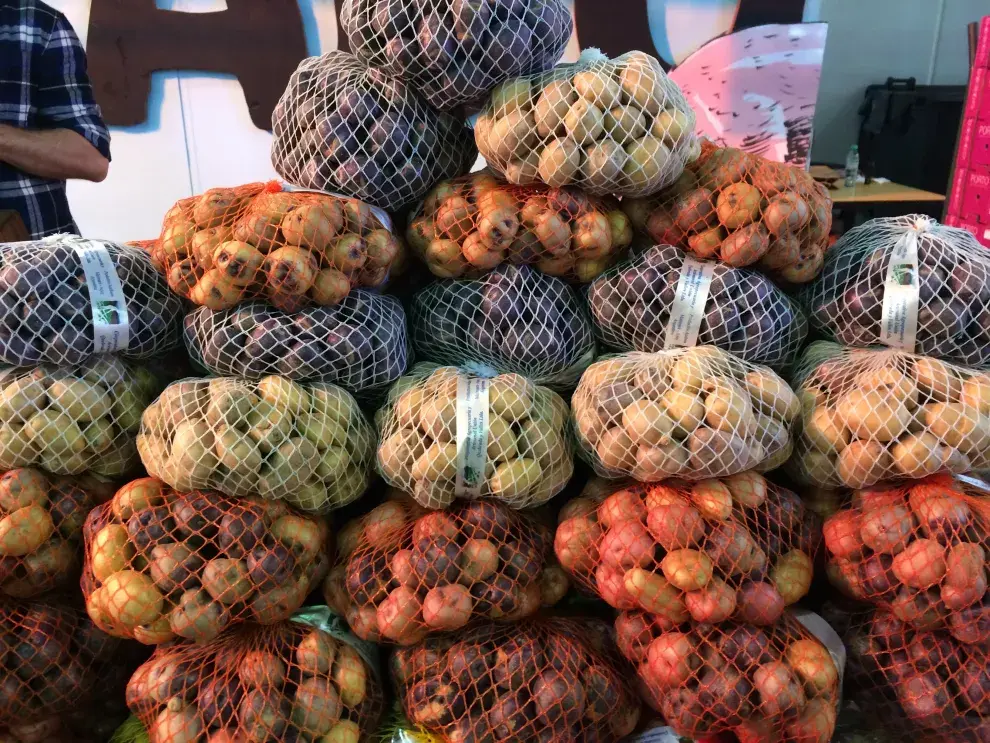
(909, 283)
(514, 320)
(456, 52)
(694, 413)
(72, 419)
(446, 432)
(468, 226)
(309, 445)
(665, 298)
(50, 311)
(872, 415)
(345, 127)
(359, 344)
(610, 126)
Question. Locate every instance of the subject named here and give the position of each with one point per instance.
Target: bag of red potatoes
(918, 550)
(735, 548)
(742, 209)
(293, 248)
(295, 682)
(917, 685)
(551, 680)
(404, 572)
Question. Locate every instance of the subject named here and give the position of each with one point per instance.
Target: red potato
(447, 607)
(813, 664)
(842, 534)
(383, 521)
(661, 495)
(759, 603)
(402, 568)
(676, 525)
(434, 525)
(779, 689)
(815, 723)
(715, 602)
(633, 635)
(400, 616)
(921, 564)
(576, 544)
(887, 528)
(611, 586)
(965, 575)
(626, 545)
(671, 658)
(624, 505)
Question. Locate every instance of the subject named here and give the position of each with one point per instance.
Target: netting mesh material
(918, 550)
(774, 683)
(46, 314)
(293, 248)
(455, 53)
(610, 126)
(307, 444)
(514, 320)
(71, 419)
(715, 550)
(360, 344)
(872, 415)
(551, 680)
(54, 662)
(41, 520)
(917, 685)
(528, 460)
(846, 301)
(343, 126)
(287, 682)
(162, 565)
(694, 413)
(407, 572)
(467, 226)
(744, 210)
(744, 314)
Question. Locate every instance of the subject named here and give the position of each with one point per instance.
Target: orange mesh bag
(609, 126)
(446, 432)
(873, 415)
(41, 521)
(774, 684)
(918, 550)
(73, 419)
(470, 225)
(917, 685)
(550, 680)
(309, 445)
(294, 682)
(342, 125)
(54, 660)
(737, 548)
(162, 565)
(694, 412)
(293, 248)
(403, 572)
(742, 209)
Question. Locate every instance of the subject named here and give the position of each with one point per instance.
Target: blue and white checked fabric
(43, 85)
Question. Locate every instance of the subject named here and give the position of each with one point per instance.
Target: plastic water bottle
(852, 166)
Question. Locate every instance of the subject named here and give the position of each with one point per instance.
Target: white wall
(871, 40)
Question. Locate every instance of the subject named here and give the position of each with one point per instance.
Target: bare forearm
(58, 154)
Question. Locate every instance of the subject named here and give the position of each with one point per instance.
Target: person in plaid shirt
(50, 126)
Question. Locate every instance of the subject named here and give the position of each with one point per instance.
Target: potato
(400, 615)
(685, 408)
(715, 602)
(937, 380)
(447, 608)
(958, 426)
(826, 431)
(759, 603)
(25, 530)
(623, 505)
(712, 498)
(791, 575)
(658, 462)
(687, 569)
(671, 659)
(872, 414)
(921, 564)
(132, 599)
(863, 463)
(653, 593)
(626, 545)
(616, 450)
(771, 395)
(748, 489)
(675, 525)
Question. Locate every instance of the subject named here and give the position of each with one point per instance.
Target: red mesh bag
(469, 225)
(918, 549)
(293, 248)
(162, 565)
(55, 660)
(404, 572)
(289, 682)
(774, 684)
(917, 685)
(41, 521)
(735, 548)
(552, 680)
(744, 210)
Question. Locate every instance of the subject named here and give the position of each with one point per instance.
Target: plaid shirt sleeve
(62, 91)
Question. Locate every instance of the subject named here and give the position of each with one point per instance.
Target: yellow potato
(958, 425)
(975, 393)
(25, 530)
(516, 478)
(937, 380)
(438, 462)
(872, 414)
(511, 396)
(727, 408)
(616, 450)
(861, 464)
(825, 431)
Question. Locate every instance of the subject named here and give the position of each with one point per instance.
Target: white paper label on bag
(828, 637)
(654, 735)
(899, 321)
(472, 435)
(111, 326)
(688, 308)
